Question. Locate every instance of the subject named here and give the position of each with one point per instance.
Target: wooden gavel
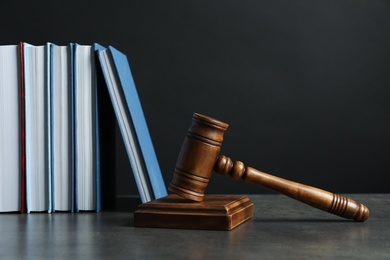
(199, 156)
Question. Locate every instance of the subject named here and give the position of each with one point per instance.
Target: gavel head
(197, 157)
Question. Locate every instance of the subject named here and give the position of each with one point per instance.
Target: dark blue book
(96, 47)
(132, 124)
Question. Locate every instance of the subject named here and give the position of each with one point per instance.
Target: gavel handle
(318, 198)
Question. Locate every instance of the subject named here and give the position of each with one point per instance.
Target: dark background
(304, 85)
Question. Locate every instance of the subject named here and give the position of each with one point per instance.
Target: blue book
(97, 47)
(132, 124)
(86, 159)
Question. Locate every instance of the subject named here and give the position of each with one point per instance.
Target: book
(99, 84)
(38, 180)
(132, 124)
(85, 129)
(23, 130)
(11, 181)
(60, 121)
(54, 118)
(108, 132)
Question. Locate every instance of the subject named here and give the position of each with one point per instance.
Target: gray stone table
(281, 228)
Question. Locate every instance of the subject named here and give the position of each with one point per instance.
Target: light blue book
(132, 124)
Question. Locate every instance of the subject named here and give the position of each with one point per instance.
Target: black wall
(304, 85)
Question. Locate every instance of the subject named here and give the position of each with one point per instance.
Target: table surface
(281, 228)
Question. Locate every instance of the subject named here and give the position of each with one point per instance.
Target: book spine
(23, 132)
(97, 136)
(73, 146)
(49, 127)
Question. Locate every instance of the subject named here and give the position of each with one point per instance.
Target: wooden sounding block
(216, 212)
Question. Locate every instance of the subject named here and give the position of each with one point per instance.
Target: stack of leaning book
(49, 131)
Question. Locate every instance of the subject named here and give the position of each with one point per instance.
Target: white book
(37, 128)
(10, 129)
(85, 129)
(61, 126)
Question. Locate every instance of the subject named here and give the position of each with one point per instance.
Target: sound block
(218, 212)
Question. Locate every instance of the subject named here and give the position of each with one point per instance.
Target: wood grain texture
(199, 156)
(217, 212)
(315, 197)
